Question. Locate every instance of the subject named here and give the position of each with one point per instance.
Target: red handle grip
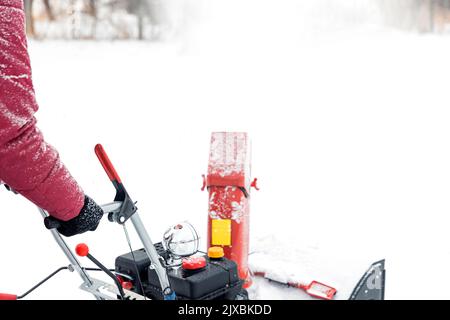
(6, 296)
(106, 163)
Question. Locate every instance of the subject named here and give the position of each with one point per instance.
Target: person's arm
(27, 163)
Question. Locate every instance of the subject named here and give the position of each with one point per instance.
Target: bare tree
(441, 15)
(141, 9)
(48, 10)
(91, 10)
(421, 15)
(29, 17)
(425, 15)
(93, 7)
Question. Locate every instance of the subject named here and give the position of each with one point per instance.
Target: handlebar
(113, 207)
(7, 296)
(107, 164)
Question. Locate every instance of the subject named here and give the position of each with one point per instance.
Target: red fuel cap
(194, 263)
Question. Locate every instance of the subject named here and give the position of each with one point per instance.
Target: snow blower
(229, 183)
(169, 270)
(174, 268)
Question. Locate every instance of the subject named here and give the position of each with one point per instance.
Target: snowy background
(349, 119)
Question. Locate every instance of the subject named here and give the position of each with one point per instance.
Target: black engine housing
(218, 280)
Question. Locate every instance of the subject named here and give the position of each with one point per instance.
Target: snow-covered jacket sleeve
(27, 163)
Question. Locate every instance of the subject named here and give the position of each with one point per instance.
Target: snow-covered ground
(349, 123)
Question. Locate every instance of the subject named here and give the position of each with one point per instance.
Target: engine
(198, 277)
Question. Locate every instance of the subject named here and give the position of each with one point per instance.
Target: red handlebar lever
(128, 207)
(6, 296)
(106, 163)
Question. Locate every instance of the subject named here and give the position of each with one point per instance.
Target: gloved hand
(88, 220)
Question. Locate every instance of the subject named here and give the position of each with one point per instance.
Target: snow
(349, 126)
(228, 154)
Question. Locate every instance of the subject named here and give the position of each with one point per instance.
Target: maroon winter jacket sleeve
(27, 163)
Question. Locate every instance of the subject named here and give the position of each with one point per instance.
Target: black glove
(88, 220)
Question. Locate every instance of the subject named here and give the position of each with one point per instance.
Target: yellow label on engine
(221, 232)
